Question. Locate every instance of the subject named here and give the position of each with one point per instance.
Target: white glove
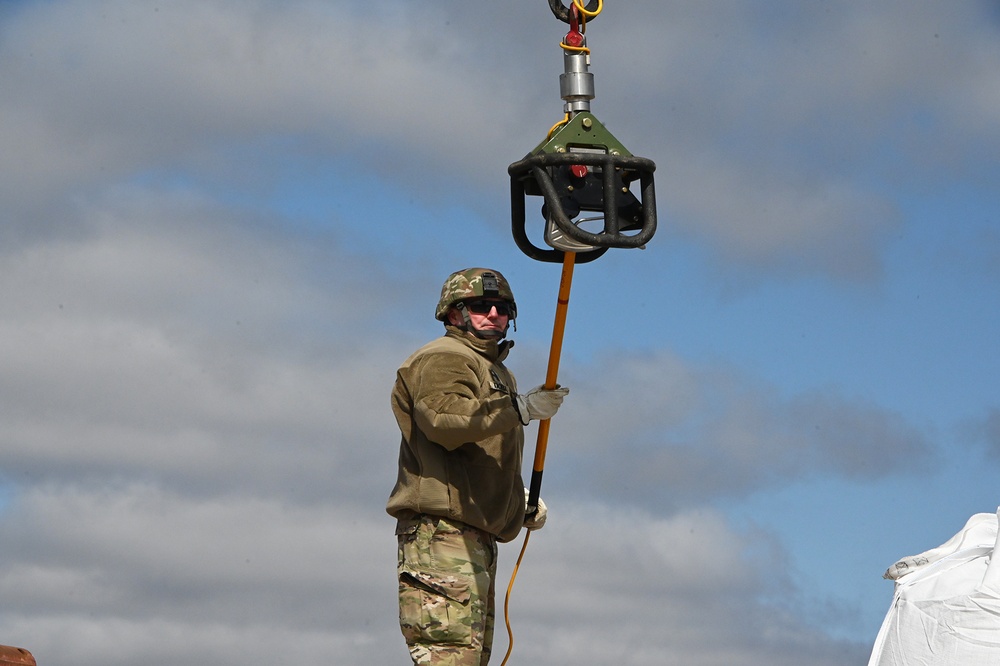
(540, 404)
(536, 520)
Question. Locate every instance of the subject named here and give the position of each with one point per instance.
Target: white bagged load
(946, 606)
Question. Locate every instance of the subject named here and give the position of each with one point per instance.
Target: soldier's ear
(455, 317)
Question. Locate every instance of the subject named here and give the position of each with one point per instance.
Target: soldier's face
(484, 318)
(491, 321)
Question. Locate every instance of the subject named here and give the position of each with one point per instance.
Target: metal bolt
(587, 123)
(560, 149)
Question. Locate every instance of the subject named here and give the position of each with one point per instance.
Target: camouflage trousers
(446, 589)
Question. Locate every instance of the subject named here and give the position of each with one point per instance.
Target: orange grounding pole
(551, 374)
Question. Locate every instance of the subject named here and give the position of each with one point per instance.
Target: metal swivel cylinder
(576, 84)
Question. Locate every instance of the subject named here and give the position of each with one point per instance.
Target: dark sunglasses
(484, 307)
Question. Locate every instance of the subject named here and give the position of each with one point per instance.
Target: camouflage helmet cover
(474, 283)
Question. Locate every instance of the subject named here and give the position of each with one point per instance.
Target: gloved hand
(540, 403)
(536, 520)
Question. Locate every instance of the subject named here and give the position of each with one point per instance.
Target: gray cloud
(771, 136)
(191, 431)
(666, 434)
(984, 432)
(689, 574)
(199, 447)
(196, 443)
(781, 135)
(171, 341)
(134, 572)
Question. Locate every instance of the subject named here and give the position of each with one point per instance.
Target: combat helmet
(473, 283)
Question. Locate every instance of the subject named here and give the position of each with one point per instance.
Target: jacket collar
(494, 350)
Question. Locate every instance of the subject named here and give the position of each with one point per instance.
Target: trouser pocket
(435, 607)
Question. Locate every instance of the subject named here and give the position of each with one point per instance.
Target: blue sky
(226, 223)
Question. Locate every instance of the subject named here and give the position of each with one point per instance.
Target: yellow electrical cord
(581, 49)
(583, 10)
(506, 600)
(559, 124)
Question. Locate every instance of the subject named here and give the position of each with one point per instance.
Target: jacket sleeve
(452, 407)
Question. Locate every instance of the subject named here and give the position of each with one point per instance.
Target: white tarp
(946, 606)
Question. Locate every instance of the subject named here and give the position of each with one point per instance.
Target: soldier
(459, 490)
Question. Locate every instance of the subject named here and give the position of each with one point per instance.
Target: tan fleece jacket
(462, 440)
